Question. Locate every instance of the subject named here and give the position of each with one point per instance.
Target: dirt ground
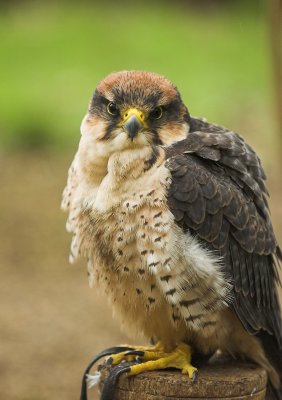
(51, 322)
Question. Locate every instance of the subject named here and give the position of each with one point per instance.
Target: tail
(274, 355)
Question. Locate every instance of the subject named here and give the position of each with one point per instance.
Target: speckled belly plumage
(157, 278)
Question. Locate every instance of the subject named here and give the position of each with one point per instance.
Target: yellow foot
(131, 355)
(155, 358)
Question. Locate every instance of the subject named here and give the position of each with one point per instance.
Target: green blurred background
(53, 54)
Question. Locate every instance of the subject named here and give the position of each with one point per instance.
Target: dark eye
(157, 113)
(112, 109)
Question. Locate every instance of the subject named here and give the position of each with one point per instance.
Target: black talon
(135, 353)
(110, 383)
(104, 353)
(194, 376)
(109, 361)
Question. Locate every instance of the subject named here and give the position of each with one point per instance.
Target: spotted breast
(137, 253)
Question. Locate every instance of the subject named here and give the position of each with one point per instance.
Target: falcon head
(132, 109)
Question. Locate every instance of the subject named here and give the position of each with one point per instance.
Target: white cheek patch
(119, 140)
(89, 126)
(93, 133)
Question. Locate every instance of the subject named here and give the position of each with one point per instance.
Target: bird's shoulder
(218, 158)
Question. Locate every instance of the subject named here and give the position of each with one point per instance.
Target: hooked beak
(133, 122)
(132, 126)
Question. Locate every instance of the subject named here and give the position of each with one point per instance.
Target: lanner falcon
(171, 214)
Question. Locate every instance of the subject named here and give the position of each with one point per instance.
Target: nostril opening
(126, 114)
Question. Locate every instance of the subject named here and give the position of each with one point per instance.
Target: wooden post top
(220, 380)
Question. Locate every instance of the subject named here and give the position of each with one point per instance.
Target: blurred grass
(51, 58)
(53, 55)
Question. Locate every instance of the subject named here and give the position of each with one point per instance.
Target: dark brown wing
(218, 193)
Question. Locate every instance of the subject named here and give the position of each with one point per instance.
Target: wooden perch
(220, 380)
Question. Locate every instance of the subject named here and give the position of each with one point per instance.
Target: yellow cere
(133, 111)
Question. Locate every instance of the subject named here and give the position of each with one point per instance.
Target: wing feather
(218, 193)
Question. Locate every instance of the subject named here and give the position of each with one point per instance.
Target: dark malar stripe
(152, 160)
